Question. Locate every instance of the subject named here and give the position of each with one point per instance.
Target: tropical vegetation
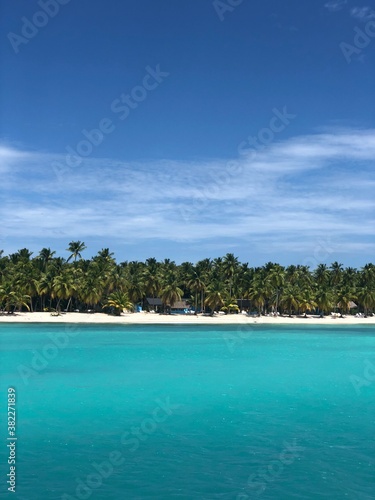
(47, 282)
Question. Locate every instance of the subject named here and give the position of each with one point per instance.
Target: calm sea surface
(181, 412)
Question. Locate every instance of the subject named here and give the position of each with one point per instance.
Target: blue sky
(217, 128)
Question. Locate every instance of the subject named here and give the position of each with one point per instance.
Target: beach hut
(180, 307)
(154, 304)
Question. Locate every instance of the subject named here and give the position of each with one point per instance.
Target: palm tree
(22, 255)
(276, 279)
(10, 297)
(22, 300)
(170, 294)
(63, 287)
(306, 301)
(304, 280)
(197, 286)
(90, 290)
(321, 275)
(292, 274)
(350, 277)
(260, 289)
(151, 283)
(345, 296)
(243, 282)
(185, 270)
(366, 298)
(229, 306)
(43, 288)
(230, 268)
(45, 256)
(289, 299)
(215, 296)
(203, 267)
(336, 273)
(75, 248)
(324, 299)
(118, 301)
(168, 266)
(105, 254)
(26, 282)
(136, 288)
(152, 264)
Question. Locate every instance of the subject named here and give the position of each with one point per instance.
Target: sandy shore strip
(187, 319)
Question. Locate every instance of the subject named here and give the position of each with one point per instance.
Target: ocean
(113, 412)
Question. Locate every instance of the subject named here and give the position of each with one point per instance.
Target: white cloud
(10, 157)
(335, 5)
(363, 13)
(288, 195)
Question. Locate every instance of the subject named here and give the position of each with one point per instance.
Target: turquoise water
(190, 412)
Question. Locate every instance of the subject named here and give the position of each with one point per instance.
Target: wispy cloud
(363, 13)
(335, 5)
(298, 190)
(10, 156)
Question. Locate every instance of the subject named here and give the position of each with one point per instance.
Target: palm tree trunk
(67, 307)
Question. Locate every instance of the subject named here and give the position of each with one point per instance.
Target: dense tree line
(46, 282)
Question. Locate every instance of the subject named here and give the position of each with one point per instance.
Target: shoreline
(157, 319)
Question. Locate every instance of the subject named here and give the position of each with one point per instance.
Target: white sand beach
(149, 318)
